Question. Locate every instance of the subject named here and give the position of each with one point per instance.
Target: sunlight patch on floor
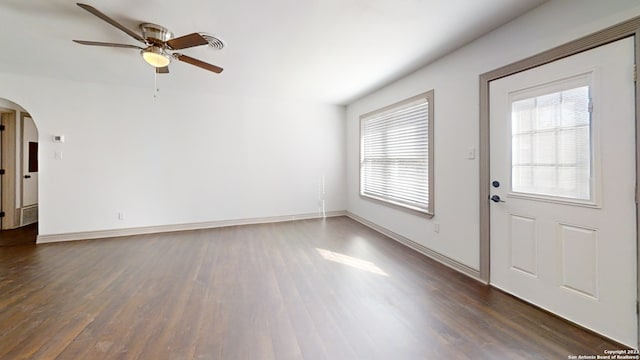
(351, 261)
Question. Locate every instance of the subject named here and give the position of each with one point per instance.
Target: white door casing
(573, 257)
(30, 179)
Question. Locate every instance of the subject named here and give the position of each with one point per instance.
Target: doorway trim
(21, 162)
(629, 28)
(8, 119)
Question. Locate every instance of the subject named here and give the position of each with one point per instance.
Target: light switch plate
(471, 153)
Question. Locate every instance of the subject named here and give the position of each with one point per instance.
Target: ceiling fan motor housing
(155, 34)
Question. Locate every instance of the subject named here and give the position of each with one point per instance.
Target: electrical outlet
(120, 215)
(436, 228)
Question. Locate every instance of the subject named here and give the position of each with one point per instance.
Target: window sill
(403, 207)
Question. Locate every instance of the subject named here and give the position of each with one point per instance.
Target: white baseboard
(99, 234)
(445, 260)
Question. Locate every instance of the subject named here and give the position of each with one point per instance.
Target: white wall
(455, 81)
(180, 158)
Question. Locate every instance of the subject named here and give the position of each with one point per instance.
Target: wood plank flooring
(312, 289)
(25, 235)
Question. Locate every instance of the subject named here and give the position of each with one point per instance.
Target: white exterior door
(563, 216)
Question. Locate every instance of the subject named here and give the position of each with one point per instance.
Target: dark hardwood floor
(312, 289)
(25, 235)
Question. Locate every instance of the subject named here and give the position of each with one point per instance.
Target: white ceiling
(330, 51)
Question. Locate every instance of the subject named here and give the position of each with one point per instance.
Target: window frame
(430, 210)
(586, 78)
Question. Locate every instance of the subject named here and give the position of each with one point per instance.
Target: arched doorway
(18, 175)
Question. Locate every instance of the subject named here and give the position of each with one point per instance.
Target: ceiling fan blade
(198, 63)
(104, 17)
(187, 41)
(162, 70)
(97, 43)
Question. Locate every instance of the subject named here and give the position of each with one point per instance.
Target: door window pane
(551, 144)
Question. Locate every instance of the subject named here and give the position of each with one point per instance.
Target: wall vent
(215, 42)
(29, 215)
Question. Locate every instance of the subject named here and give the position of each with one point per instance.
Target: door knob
(496, 198)
(27, 176)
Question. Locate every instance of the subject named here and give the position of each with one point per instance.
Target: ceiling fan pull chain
(155, 84)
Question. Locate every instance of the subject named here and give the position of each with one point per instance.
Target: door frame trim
(629, 28)
(23, 115)
(8, 193)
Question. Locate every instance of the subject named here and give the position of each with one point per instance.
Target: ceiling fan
(158, 41)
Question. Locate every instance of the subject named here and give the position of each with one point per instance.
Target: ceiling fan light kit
(155, 56)
(158, 42)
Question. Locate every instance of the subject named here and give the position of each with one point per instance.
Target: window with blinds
(396, 154)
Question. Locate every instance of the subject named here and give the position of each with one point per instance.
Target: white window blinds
(396, 154)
